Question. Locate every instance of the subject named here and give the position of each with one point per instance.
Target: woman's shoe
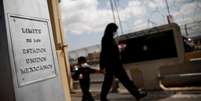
(141, 95)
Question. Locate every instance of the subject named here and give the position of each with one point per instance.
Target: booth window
(154, 46)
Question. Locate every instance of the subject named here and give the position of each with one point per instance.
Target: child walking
(84, 78)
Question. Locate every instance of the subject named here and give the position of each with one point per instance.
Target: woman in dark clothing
(110, 62)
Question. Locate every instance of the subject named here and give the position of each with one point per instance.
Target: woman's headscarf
(110, 29)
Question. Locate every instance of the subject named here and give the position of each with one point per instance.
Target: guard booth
(144, 52)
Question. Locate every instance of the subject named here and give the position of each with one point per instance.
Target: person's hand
(102, 70)
(80, 76)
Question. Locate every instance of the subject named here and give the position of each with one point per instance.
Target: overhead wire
(112, 8)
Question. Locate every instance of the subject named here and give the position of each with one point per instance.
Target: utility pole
(169, 16)
(114, 7)
(117, 10)
(168, 9)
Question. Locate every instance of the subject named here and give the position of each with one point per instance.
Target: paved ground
(123, 95)
(152, 96)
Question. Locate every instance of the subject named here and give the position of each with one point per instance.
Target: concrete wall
(47, 87)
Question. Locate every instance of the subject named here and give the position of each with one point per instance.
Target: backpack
(75, 73)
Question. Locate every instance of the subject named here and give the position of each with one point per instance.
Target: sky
(84, 21)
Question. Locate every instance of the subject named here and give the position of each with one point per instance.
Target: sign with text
(32, 49)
